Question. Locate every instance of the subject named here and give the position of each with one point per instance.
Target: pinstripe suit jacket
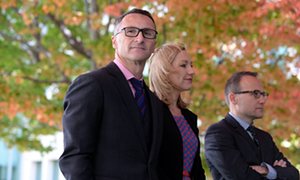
(103, 130)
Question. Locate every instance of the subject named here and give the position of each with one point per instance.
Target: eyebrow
(187, 60)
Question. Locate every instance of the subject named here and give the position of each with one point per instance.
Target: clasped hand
(281, 163)
(263, 170)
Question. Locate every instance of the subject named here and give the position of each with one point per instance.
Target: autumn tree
(231, 35)
(44, 45)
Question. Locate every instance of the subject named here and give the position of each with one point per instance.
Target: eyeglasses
(256, 93)
(134, 32)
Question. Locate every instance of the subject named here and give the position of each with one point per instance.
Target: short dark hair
(134, 11)
(233, 83)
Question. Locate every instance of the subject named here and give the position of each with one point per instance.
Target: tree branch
(47, 81)
(73, 42)
(91, 7)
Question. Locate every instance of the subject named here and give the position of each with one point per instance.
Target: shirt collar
(243, 123)
(128, 75)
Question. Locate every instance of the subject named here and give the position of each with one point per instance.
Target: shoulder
(219, 134)
(159, 104)
(106, 72)
(263, 133)
(93, 81)
(92, 74)
(166, 111)
(220, 126)
(189, 114)
(104, 75)
(83, 90)
(85, 80)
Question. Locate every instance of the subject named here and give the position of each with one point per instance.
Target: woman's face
(182, 72)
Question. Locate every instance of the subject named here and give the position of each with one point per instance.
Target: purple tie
(139, 94)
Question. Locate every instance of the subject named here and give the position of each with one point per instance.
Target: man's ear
(232, 98)
(114, 43)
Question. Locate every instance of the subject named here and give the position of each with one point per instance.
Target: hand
(281, 163)
(263, 170)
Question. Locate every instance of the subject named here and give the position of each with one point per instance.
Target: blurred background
(45, 44)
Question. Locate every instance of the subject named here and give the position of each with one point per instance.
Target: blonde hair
(159, 69)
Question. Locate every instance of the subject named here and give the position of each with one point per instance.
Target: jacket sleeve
(223, 156)
(82, 109)
(289, 172)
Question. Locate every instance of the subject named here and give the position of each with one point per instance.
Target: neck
(175, 110)
(135, 67)
(244, 118)
(173, 106)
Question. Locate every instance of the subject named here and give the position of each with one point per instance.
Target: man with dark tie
(234, 148)
(112, 123)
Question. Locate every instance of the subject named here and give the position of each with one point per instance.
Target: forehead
(137, 20)
(250, 83)
(182, 56)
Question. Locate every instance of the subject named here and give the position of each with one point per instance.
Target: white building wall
(29, 161)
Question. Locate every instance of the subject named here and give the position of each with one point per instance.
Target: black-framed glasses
(256, 93)
(134, 32)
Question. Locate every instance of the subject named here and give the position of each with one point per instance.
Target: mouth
(189, 79)
(137, 47)
(260, 108)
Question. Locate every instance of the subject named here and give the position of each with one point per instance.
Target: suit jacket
(230, 151)
(171, 158)
(103, 130)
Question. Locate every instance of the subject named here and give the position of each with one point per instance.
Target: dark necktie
(139, 94)
(252, 132)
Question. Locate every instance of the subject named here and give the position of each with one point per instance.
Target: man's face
(134, 48)
(248, 106)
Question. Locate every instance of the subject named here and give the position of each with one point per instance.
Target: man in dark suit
(108, 134)
(237, 150)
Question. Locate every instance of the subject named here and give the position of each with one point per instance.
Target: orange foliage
(48, 8)
(59, 3)
(205, 26)
(9, 108)
(8, 3)
(27, 20)
(95, 23)
(116, 9)
(75, 18)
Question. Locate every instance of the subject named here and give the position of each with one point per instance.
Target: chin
(259, 116)
(189, 87)
(186, 89)
(139, 57)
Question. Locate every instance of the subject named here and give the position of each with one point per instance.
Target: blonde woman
(171, 73)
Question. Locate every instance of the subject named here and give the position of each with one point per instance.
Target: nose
(139, 37)
(191, 70)
(262, 99)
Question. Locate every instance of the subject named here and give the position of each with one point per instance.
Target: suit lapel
(255, 153)
(239, 129)
(191, 119)
(154, 117)
(157, 123)
(133, 116)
